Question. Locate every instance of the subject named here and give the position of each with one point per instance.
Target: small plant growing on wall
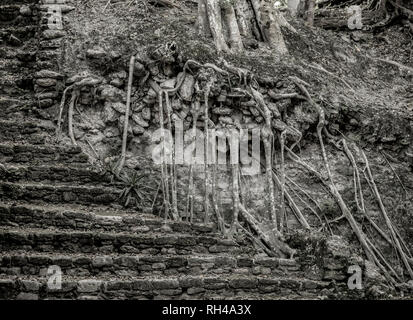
(135, 189)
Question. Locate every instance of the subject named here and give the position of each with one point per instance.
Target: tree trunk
(126, 123)
(256, 9)
(234, 36)
(235, 197)
(293, 6)
(215, 23)
(241, 18)
(270, 27)
(310, 12)
(241, 8)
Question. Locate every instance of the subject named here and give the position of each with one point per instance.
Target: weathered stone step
(42, 240)
(30, 131)
(19, 105)
(15, 14)
(23, 33)
(54, 173)
(34, 154)
(14, 65)
(23, 54)
(10, 79)
(13, 104)
(20, 2)
(89, 217)
(184, 287)
(15, 85)
(16, 263)
(17, 35)
(59, 193)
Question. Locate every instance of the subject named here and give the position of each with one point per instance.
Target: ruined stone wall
(48, 82)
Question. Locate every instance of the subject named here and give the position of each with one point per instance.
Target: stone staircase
(57, 210)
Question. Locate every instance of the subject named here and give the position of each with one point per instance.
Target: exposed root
(126, 123)
(320, 68)
(331, 185)
(393, 63)
(394, 237)
(283, 216)
(282, 96)
(267, 137)
(214, 200)
(235, 197)
(61, 107)
(164, 167)
(206, 149)
(74, 98)
(190, 201)
(172, 170)
(269, 236)
(77, 86)
(358, 193)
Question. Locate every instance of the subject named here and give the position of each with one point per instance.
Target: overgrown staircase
(57, 210)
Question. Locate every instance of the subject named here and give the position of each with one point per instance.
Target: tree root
(393, 63)
(331, 185)
(172, 170)
(282, 96)
(358, 194)
(283, 216)
(270, 236)
(126, 123)
(73, 100)
(190, 200)
(386, 217)
(267, 137)
(206, 149)
(320, 68)
(61, 107)
(164, 167)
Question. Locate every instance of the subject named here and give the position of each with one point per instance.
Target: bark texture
(233, 24)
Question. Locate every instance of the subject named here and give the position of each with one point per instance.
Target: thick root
(126, 123)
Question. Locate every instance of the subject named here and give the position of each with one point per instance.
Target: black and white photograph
(224, 151)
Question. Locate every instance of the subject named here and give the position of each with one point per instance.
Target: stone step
(18, 104)
(179, 288)
(17, 263)
(9, 76)
(54, 173)
(78, 217)
(13, 104)
(34, 154)
(29, 131)
(50, 240)
(27, 55)
(14, 14)
(15, 85)
(17, 35)
(59, 193)
(14, 66)
(19, 2)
